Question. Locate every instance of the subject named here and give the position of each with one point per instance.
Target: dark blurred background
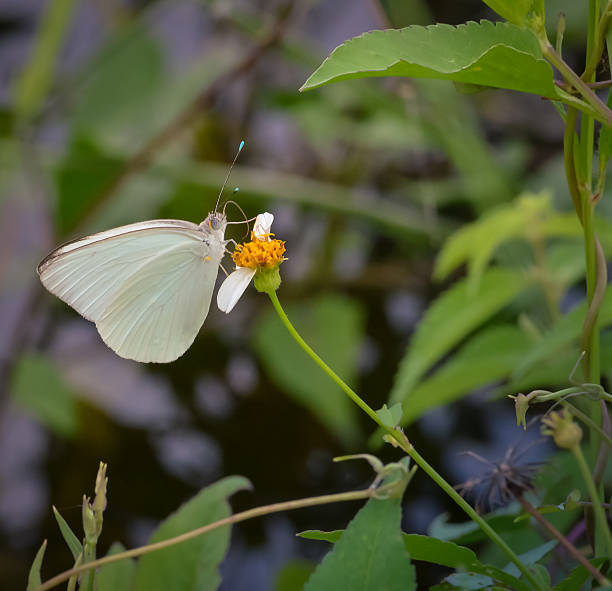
(366, 179)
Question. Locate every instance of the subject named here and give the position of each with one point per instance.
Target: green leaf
(293, 575)
(70, 538)
(458, 557)
(514, 11)
(191, 565)
(475, 243)
(320, 535)
(541, 573)
(39, 387)
(564, 333)
(578, 577)
(333, 326)
(80, 178)
(34, 580)
(489, 356)
(390, 416)
(499, 55)
(469, 532)
(32, 85)
(117, 576)
(369, 555)
(469, 581)
(531, 557)
(121, 84)
(455, 314)
(436, 551)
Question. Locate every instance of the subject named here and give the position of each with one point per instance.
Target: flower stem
(302, 343)
(403, 442)
(600, 515)
(555, 533)
(473, 515)
(599, 107)
(236, 518)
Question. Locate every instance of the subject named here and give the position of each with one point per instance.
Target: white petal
(262, 226)
(233, 287)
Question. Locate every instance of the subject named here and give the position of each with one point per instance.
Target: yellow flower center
(258, 254)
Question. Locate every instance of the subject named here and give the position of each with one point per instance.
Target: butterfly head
(214, 222)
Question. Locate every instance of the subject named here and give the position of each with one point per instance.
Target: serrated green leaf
(455, 314)
(69, 537)
(499, 55)
(459, 557)
(436, 551)
(117, 576)
(34, 580)
(333, 326)
(489, 356)
(191, 565)
(390, 416)
(567, 330)
(370, 554)
(39, 387)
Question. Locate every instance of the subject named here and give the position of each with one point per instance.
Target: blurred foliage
(38, 385)
(405, 179)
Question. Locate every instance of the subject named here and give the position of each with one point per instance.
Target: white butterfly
(147, 286)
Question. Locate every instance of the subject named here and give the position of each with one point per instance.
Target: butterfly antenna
(228, 173)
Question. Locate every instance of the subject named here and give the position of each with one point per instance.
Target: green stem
(302, 343)
(407, 447)
(599, 39)
(600, 515)
(569, 139)
(89, 556)
(555, 533)
(469, 510)
(603, 112)
(236, 518)
(590, 331)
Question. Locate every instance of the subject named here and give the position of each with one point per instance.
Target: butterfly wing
(87, 273)
(147, 286)
(156, 315)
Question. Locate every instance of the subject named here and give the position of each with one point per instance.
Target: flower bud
(99, 503)
(565, 433)
(90, 523)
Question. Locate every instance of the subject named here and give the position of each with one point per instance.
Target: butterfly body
(147, 286)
